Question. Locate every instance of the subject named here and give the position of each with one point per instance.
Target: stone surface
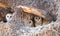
(17, 28)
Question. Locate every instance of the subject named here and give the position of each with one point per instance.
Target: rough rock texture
(47, 5)
(17, 28)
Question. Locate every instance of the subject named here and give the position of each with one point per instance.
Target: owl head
(9, 17)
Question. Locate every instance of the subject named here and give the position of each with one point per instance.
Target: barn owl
(9, 17)
(4, 10)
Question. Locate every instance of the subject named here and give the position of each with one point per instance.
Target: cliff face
(49, 6)
(21, 22)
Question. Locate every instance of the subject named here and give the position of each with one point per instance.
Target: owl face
(9, 17)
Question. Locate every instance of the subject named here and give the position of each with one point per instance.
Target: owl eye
(29, 21)
(36, 18)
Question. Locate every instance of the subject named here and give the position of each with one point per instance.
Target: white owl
(9, 17)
